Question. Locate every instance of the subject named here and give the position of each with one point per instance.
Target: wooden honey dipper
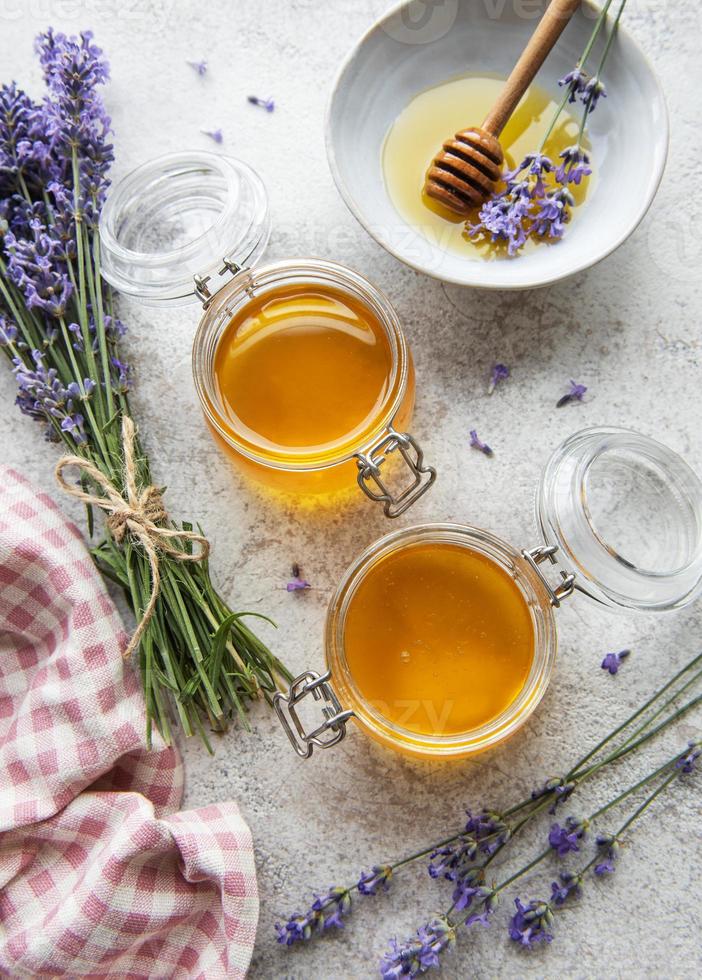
(468, 168)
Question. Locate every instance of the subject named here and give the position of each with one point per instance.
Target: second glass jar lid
(626, 514)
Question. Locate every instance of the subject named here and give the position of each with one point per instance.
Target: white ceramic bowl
(420, 44)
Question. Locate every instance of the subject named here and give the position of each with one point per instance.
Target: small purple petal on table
(267, 104)
(214, 134)
(500, 372)
(574, 395)
(613, 661)
(297, 585)
(199, 66)
(686, 763)
(477, 443)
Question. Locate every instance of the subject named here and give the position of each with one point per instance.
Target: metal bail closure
(202, 288)
(370, 478)
(333, 728)
(535, 557)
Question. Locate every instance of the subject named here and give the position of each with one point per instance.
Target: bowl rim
(581, 266)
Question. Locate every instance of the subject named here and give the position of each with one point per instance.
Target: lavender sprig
(464, 857)
(528, 207)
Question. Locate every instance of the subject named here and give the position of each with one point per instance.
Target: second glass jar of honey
(441, 638)
(301, 367)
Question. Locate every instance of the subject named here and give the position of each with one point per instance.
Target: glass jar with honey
(302, 369)
(441, 638)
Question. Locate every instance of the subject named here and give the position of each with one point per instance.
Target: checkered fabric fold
(99, 876)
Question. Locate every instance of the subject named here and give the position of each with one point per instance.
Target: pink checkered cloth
(99, 877)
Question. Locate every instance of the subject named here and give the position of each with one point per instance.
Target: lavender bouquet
(536, 201)
(59, 330)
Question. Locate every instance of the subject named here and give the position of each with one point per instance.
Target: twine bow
(138, 512)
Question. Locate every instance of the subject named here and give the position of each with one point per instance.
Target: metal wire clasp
(202, 289)
(535, 557)
(332, 729)
(369, 475)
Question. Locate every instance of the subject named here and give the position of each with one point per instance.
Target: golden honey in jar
(303, 373)
(438, 638)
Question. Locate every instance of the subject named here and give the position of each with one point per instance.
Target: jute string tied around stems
(139, 512)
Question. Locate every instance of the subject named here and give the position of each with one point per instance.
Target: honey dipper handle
(549, 29)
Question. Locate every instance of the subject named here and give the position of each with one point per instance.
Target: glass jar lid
(179, 220)
(625, 512)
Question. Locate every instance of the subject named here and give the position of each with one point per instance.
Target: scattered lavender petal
(214, 134)
(613, 661)
(477, 443)
(199, 66)
(574, 395)
(267, 104)
(500, 372)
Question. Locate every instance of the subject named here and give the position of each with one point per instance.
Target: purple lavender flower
(564, 839)
(489, 828)
(453, 861)
(199, 66)
(502, 217)
(326, 912)
(574, 395)
(43, 397)
(567, 887)
(613, 661)
(75, 115)
(74, 425)
(484, 898)
(530, 923)
(488, 900)
(477, 443)
(609, 846)
(421, 953)
(687, 763)
(120, 375)
(33, 266)
(533, 165)
(575, 165)
(553, 214)
(592, 93)
(267, 104)
(464, 893)
(214, 134)
(559, 787)
(576, 81)
(378, 877)
(8, 331)
(500, 372)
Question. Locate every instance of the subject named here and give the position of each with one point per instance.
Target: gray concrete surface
(629, 329)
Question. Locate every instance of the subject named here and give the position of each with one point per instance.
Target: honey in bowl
(412, 141)
(438, 638)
